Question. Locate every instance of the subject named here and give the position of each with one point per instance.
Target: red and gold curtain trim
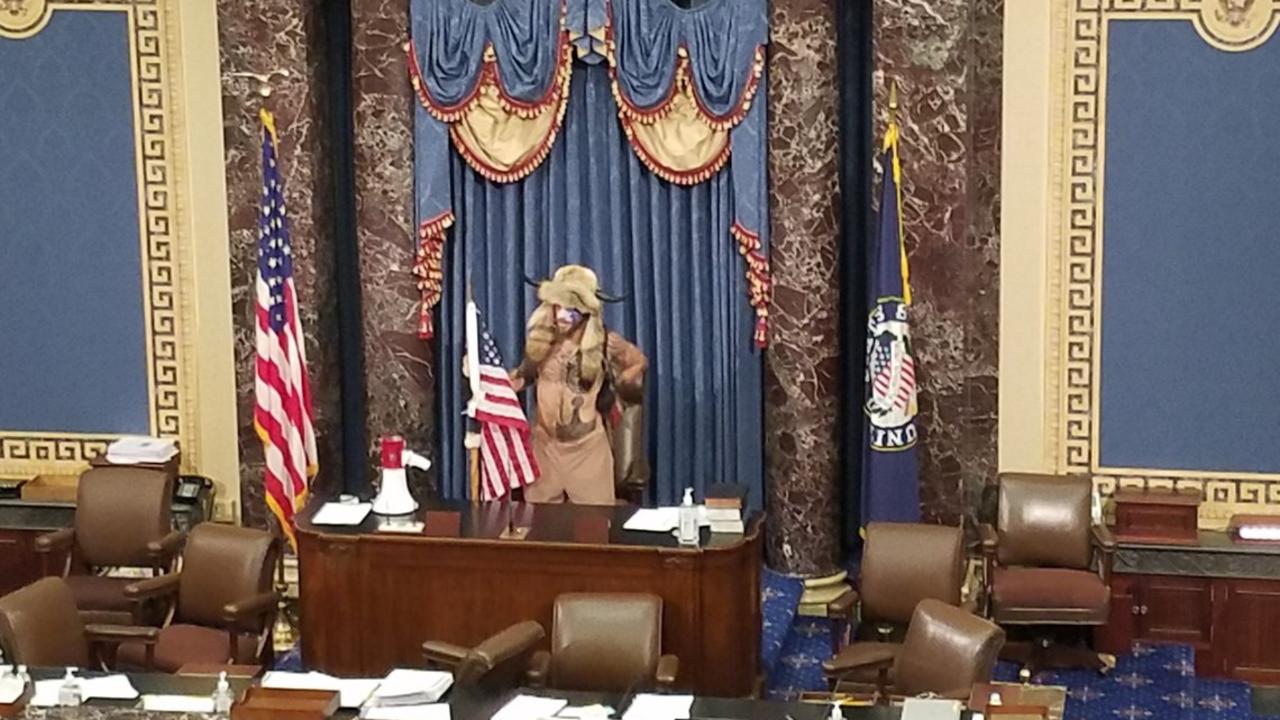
(429, 268)
(759, 279)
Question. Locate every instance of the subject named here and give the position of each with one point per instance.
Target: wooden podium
(370, 598)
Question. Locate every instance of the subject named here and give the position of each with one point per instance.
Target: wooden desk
(369, 599)
(1220, 597)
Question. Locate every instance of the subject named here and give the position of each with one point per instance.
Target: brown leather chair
(630, 456)
(902, 564)
(221, 603)
(122, 520)
(605, 642)
(947, 651)
(497, 664)
(40, 626)
(1046, 563)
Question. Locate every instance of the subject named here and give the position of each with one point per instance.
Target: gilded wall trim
(165, 279)
(1078, 175)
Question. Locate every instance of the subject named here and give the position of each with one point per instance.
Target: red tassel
(762, 331)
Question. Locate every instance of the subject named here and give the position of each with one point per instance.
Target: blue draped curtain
(667, 247)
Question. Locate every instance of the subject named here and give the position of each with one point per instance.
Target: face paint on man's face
(567, 318)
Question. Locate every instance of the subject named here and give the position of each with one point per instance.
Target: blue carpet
(1153, 682)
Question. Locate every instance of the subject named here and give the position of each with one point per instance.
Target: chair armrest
(56, 540)
(1103, 538)
(990, 540)
(538, 674)
(122, 633)
(443, 654)
(163, 550)
(668, 668)
(858, 656)
(843, 606)
(153, 587)
(238, 612)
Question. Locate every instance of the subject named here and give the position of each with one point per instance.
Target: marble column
(399, 367)
(946, 58)
(801, 389)
(259, 36)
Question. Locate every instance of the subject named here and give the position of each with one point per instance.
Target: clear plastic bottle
(23, 675)
(222, 697)
(69, 692)
(687, 532)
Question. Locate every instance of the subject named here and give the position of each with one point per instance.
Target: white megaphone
(393, 494)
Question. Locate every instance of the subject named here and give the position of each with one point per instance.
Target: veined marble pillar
(801, 372)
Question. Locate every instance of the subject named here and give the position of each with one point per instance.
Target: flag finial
(893, 102)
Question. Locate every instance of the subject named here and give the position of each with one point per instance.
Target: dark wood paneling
(370, 600)
(1250, 645)
(19, 564)
(1176, 609)
(1122, 626)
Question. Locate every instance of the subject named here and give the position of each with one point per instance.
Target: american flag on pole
(282, 411)
(506, 458)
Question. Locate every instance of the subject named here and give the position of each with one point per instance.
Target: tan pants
(581, 470)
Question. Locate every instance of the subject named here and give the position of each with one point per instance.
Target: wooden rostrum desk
(370, 598)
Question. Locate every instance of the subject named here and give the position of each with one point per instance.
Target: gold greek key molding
(165, 279)
(1077, 180)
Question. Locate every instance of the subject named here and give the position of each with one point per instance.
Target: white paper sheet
(177, 703)
(351, 693)
(661, 519)
(430, 711)
(528, 707)
(11, 689)
(585, 712)
(46, 693)
(333, 513)
(659, 707)
(109, 687)
(914, 708)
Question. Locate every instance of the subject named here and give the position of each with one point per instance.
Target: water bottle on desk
(69, 693)
(687, 532)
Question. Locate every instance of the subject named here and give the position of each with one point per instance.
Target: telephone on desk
(192, 501)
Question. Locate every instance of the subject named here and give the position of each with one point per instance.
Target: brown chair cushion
(223, 564)
(39, 625)
(605, 642)
(188, 644)
(95, 592)
(947, 651)
(118, 511)
(1049, 595)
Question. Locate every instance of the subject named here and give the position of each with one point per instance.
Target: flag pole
(472, 439)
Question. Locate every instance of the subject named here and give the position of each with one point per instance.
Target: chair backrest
(40, 626)
(118, 511)
(631, 472)
(947, 649)
(1044, 521)
(499, 663)
(223, 564)
(605, 642)
(904, 563)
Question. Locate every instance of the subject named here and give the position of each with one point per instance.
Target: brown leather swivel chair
(947, 651)
(41, 627)
(1047, 564)
(630, 456)
(221, 603)
(605, 642)
(122, 520)
(497, 664)
(902, 564)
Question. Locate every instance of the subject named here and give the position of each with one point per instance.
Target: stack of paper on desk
(659, 707)
(433, 711)
(140, 449)
(411, 687)
(177, 703)
(351, 693)
(662, 519)
(332, 513)
(529, 707)
(11, 689)
(109, 687)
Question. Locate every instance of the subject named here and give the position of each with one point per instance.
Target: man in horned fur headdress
(576, 368)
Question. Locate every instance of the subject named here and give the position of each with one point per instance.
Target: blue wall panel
(72, 325)
(1190, 363)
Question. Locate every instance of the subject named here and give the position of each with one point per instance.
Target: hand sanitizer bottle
(688, 530)
(69, 692)
(222, 698)
(23, 675)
